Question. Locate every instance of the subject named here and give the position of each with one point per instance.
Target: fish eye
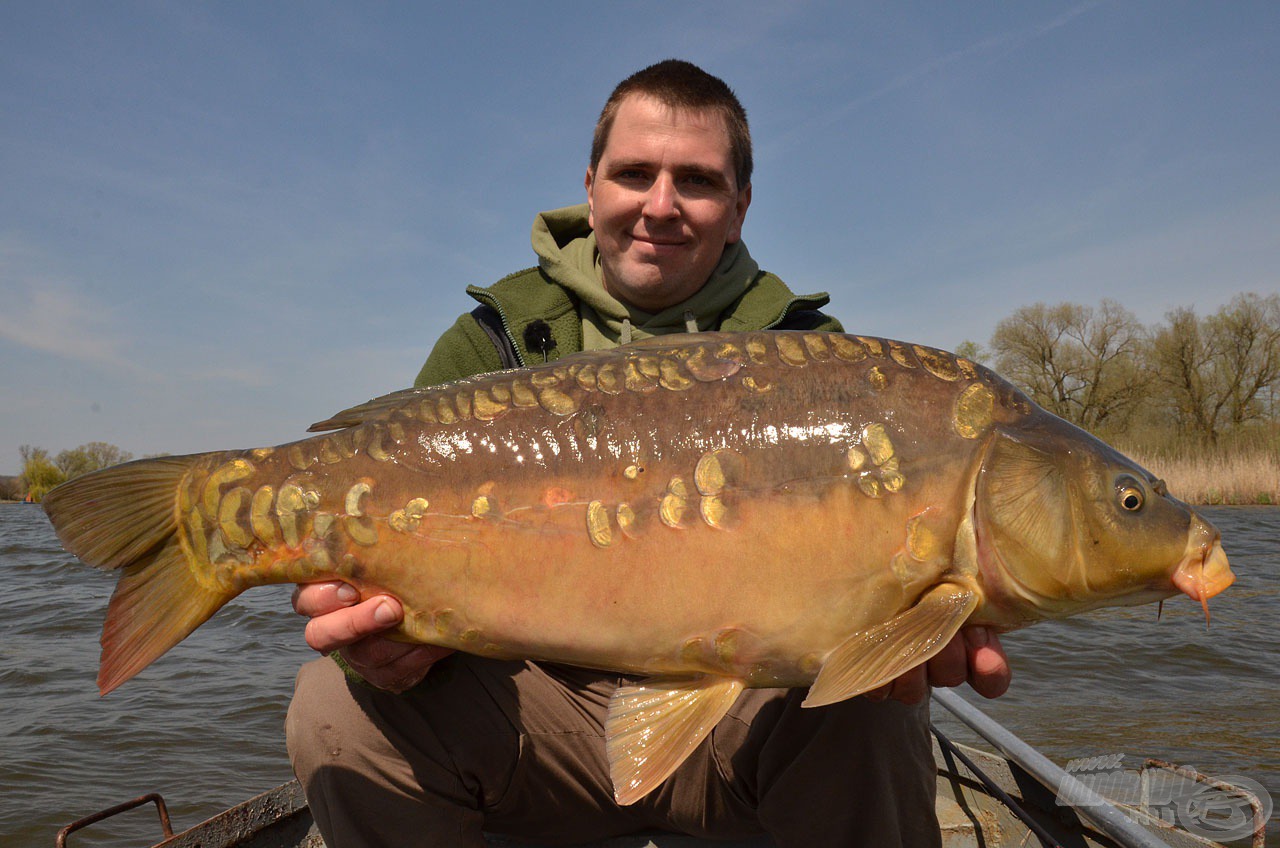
(1130, 495)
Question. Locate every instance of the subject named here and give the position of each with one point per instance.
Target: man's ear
(744, 200)
(586, 183)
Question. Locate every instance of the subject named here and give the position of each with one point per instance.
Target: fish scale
(715, 511)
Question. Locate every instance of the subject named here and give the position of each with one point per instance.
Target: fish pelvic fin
(157, 603)
(126, 517)
(871, 658)
(654, 726)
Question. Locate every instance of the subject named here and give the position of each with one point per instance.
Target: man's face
(664, 202)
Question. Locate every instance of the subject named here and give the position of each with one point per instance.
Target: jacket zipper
(786, 310)
(479, 293)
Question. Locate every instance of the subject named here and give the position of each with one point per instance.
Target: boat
(1010, 797)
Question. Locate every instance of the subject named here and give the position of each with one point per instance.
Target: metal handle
(119, 808)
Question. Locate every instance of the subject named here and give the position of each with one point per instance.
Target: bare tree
(1031, 350)
(31, 452)
(971, 350)
(40, 472)
(1222, 371)
(1182, 360)
(11, 488)
(1248, 335)
(90, 457)
(1080, 363)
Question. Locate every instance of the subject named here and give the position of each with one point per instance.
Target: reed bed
(1215, 476)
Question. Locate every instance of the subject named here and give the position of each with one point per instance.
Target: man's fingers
(974, 655)
(989, 672)
(377, 652)
(393, 666)
(911, 687)
(950, 666)
(347, 625)
(312, 599)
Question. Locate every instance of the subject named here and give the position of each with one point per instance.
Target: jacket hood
(567, 252)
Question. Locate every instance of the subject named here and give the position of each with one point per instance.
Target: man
(392, 755)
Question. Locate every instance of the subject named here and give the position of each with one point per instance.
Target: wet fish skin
(717, 511)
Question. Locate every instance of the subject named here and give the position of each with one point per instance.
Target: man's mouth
(659, 241)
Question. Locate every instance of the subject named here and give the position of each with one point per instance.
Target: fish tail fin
(126, 517)
(157, 603)
(112, 517)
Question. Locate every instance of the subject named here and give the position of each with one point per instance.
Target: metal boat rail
(1119, 823)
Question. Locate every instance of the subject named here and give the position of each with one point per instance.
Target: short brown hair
(682, 85)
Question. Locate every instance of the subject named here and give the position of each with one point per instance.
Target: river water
(203, 725)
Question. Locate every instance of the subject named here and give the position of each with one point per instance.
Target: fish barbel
(713, 511)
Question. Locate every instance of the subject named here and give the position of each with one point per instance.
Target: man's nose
(661, 200)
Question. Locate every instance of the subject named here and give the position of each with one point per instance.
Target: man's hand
(341, 622)
(973, 656)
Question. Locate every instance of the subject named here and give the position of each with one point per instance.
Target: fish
(707, 512)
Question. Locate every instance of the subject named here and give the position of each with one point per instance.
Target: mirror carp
(710, 511)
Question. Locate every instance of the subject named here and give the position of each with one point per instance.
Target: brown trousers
(517, 748)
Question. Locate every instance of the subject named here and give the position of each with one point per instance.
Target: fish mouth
(1204, 570)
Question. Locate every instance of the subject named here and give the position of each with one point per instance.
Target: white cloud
(48, 315)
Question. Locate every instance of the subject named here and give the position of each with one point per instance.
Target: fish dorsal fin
(654, 726)
(873, 657)
(379, 407)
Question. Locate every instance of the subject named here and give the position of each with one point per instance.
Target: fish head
(1064, 523)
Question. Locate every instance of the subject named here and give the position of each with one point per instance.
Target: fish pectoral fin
(872, 658)
(654, 726)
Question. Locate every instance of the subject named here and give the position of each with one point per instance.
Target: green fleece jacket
(541, 313)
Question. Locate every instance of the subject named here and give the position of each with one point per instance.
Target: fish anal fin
(873, 657)
(654, 726)
(157, 603)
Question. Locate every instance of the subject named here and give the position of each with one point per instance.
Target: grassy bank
(1207, 476)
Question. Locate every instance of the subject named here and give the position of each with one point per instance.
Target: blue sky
(221, 222)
